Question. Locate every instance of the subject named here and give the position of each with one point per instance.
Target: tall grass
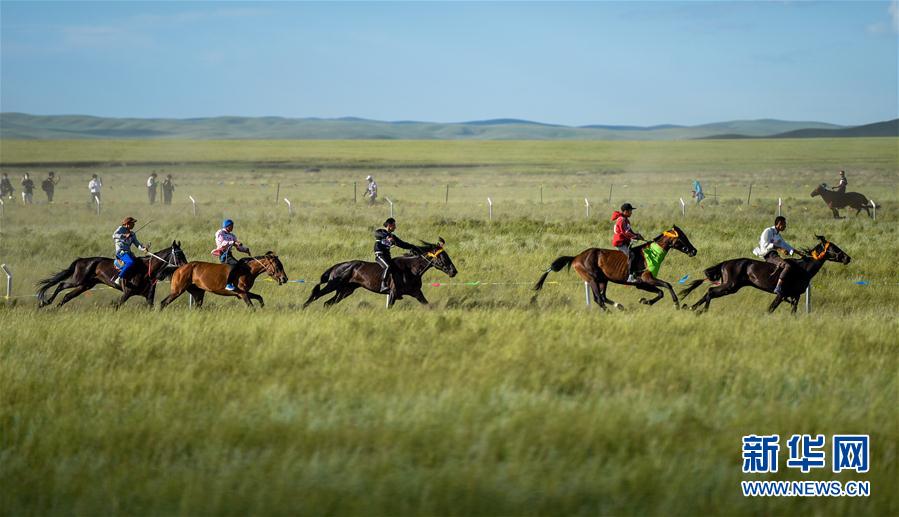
(482, 403)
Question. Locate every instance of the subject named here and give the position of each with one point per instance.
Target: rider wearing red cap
(623, 236)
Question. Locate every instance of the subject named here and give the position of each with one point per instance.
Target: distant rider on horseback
(384, 240)
(225, 242)
(841, 186)
(124, 237)
(623, 236)
(769, 243)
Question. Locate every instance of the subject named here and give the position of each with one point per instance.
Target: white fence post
(587, 293)
(289, 207)
(874, 210)
(683, 207)
(8, 280)
(194, 202)
(780, 205)
(587, 203)
(391, 205)
(97, 200)
(489, 209)
(3, 207)
(808, 298)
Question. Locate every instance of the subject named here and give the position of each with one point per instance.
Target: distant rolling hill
(877, 129)
(56, 127)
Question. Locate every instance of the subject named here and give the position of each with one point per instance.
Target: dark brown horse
(85, 273)
(346, 277)
(732, 275)
(837, 200)
(597, 267)
(198, 278)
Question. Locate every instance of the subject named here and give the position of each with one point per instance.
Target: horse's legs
(775, 303)
(420, 296)
(254, 296)
(391, 298)
(643, 286)
(243, 295)
(867, 209)
(318, 292)
(344, 292)
(795, 303)
(177, 291)
(59, 287)
(197, 294)
(657, 283)
(126, 293)
(77, 291)
(597, 293)
(836, 215)
(715, 292)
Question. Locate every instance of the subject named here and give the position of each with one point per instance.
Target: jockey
(384, 240)
(841, 186)
(124, 237)
(225, 241)
(623, 236)
(769, 243)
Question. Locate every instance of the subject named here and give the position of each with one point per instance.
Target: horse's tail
(326, 276)
(49, 282)
(713, 274)
(555, 267)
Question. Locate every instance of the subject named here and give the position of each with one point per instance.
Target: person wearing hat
(168, 187)
(623, 236)
(841, 186)
(124, 237)
(151, 188)
(225, 242)
(372, 191)
(384, 240)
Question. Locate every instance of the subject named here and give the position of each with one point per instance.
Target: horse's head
(178, 258)
(678, 240)
(437, 255)
(273, 267)
(826, 250)
(819, 190)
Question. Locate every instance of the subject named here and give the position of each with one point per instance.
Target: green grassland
(481, 403)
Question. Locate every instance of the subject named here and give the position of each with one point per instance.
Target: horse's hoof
(619, 306)
(644, 301)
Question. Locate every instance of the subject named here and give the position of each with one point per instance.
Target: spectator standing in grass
(49, 185)
(371, 191)
(6, 188)
(94, 187)
(27, 189)
(151, 188)
(168, 187)
(697, 192)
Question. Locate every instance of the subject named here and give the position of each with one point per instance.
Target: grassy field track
(483, 402)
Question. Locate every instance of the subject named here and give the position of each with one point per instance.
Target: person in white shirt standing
(94, 187)
(372, 191)
(151, 188)
(770, 243)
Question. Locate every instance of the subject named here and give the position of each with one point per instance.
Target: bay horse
(597, 267)
(198, 278)
(85, 273)
(836, 200)
(345, 277)
(735, 274)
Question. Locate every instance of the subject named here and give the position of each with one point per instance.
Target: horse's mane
(427, 247)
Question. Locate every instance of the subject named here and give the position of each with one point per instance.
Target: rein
(271, 271)
(430, 255)
(822, 254)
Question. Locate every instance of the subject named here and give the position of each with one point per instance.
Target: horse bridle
(433, 255)
(271, 271)
(823, 254)
(171, 261)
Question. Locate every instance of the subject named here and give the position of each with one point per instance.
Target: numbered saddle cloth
(654, 255)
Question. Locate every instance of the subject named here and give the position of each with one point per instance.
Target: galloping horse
(836, 200)
(199, 277)
(597, 267)
(84, 273)
(735, 274)
(346, 277)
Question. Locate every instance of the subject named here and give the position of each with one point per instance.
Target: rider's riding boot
(229, 287)
(778, 289)
(117, 281)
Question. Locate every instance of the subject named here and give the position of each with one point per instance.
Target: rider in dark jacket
(384, 240)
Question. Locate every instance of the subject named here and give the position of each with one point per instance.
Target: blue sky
(568, 63)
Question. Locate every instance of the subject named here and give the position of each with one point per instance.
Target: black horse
(836, 200)
(735, 274)
(85, 273)
(346, 277)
